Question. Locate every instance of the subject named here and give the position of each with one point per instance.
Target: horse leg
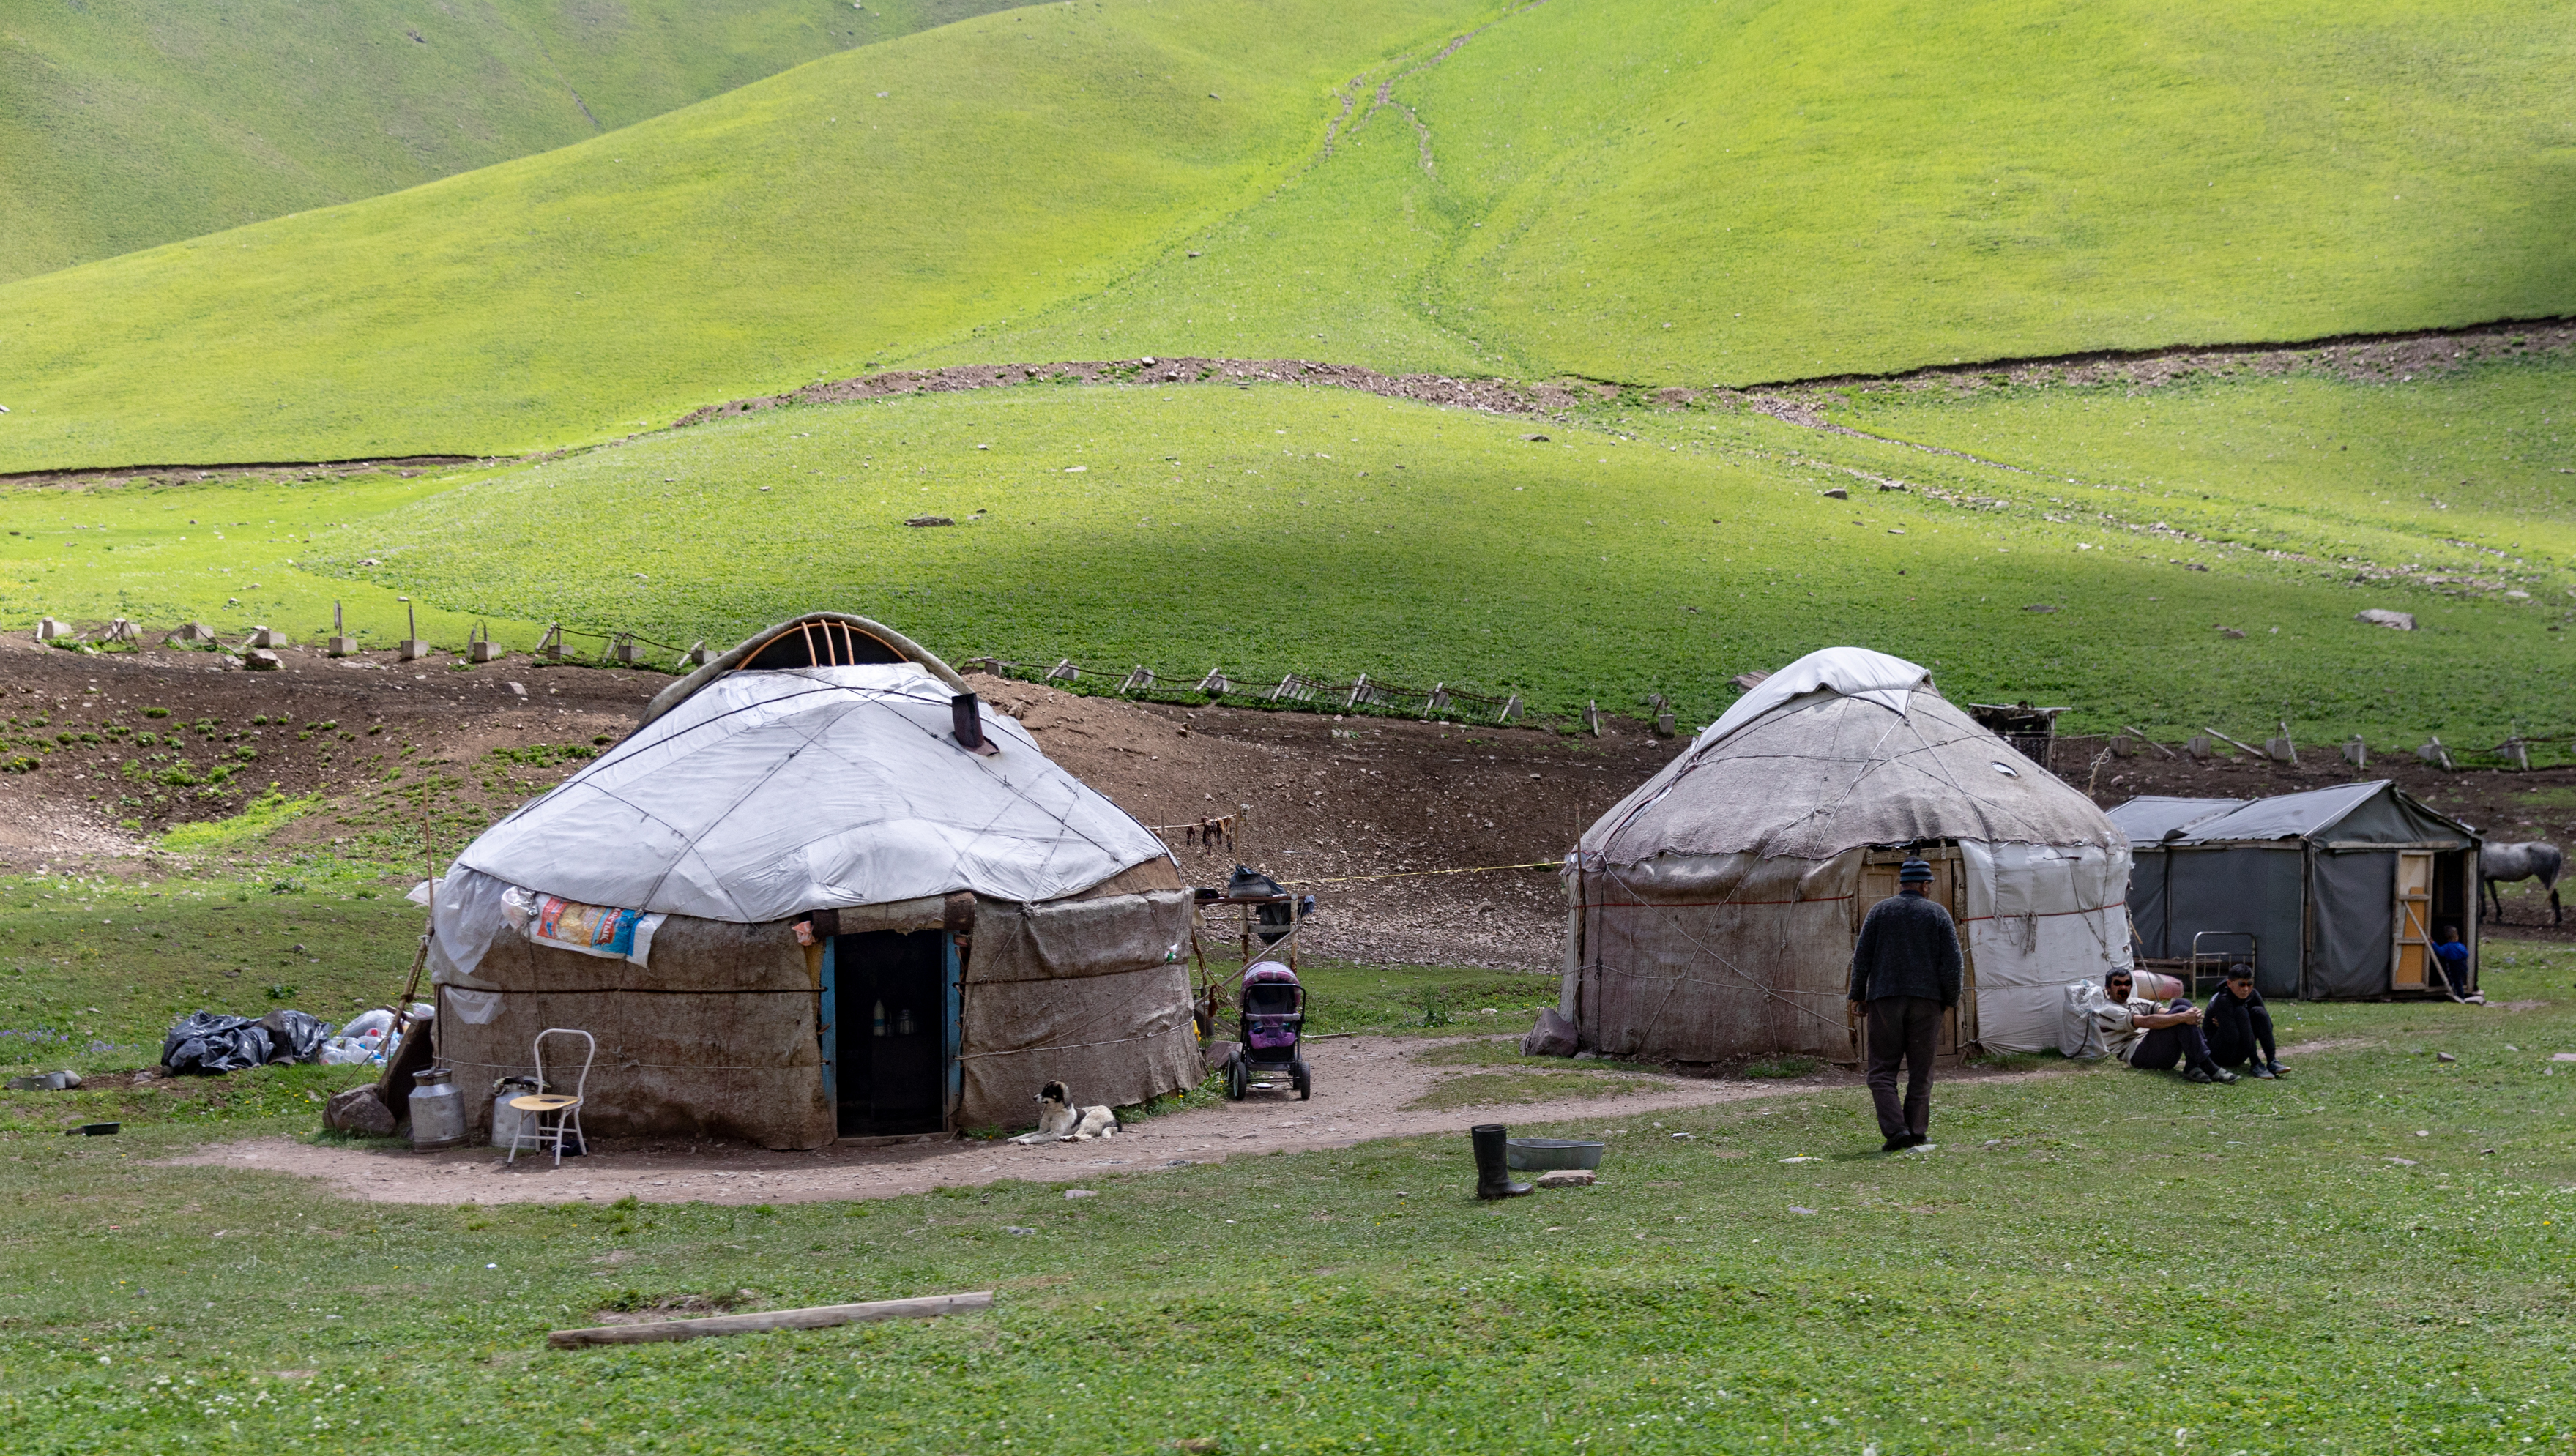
(2553, 905)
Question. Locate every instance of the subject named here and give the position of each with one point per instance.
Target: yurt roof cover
(2376, 811)
(766, 793)
(1843, 748)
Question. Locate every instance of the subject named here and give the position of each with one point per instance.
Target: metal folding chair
(552, 1116)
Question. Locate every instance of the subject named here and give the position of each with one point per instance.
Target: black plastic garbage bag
(1248, 883)
(295, 1036)
(211, 1042)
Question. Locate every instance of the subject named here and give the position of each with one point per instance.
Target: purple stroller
(1274, 1016)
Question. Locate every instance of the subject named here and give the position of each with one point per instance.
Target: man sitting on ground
(2239, 1027)
(2454, 960)
(2153, 1040)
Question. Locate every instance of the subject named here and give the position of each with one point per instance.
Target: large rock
(1553, 1036)
(359, 1110)
(2382, 617)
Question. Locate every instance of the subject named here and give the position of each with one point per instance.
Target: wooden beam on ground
(813, 1317)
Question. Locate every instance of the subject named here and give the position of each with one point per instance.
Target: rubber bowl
(1541, 1155)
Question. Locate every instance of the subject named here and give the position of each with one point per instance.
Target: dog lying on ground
(1059, 1121)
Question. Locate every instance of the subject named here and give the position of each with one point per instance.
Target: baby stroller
(1274, 1015)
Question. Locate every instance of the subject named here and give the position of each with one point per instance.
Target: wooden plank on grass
(813, 1317)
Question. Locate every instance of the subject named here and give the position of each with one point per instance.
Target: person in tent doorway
(2153, 1039)
(1904, 978)
(2238, 1026)
(2454, 959)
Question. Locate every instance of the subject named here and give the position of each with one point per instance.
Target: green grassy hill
(1326, 532)
(129, 125)
(1623, 189)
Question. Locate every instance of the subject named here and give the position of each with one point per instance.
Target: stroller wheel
(1302, 1079)
(1236, 1082)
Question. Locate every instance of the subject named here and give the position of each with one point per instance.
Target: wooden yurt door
(1878, 881)
(2413, 959)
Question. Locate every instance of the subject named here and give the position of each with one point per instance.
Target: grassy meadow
(2371, 1255)
(1622, 190)
(130, 125)
(2464, 474)
(1633, 551)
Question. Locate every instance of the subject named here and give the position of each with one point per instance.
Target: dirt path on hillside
(2377, 358)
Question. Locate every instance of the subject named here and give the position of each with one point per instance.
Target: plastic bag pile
(212, 1042)
(368, 1038)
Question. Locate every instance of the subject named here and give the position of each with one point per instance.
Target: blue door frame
(952, 1018)
(952, 1001)
(826, 1016)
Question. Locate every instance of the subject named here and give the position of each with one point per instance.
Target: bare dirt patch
(100, 772)
(1362, 1088)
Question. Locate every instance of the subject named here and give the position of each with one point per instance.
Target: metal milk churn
(437, 1112)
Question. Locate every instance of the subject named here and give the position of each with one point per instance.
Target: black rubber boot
(1492, 1179)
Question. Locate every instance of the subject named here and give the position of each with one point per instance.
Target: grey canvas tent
(2342, 888)
(1714, 910)
(793, 905)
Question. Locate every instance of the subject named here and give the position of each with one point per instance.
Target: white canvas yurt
(802, 902)
(1714, 910)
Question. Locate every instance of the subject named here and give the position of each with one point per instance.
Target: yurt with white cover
(1714, 910)
(820, 892)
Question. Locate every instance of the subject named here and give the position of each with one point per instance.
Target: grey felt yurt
(819, 892)
(2332, 892)
(1714, 910)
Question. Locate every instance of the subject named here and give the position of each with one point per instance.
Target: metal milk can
(437, 1112)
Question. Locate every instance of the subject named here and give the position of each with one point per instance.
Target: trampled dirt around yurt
(820, 892)
(1715, 909)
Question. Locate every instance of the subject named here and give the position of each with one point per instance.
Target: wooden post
(812, 1317)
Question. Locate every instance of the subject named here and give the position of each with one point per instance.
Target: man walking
(1905, 975)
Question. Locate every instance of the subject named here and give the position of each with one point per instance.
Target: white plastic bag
(2079, 1025)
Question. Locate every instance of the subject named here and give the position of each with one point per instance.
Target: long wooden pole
(813, 1317)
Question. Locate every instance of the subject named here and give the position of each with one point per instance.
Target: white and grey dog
(1059, 1121)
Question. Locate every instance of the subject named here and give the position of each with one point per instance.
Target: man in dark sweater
(1905, 974)
(2239, 1028)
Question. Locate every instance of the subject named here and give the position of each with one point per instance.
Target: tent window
(820, 644)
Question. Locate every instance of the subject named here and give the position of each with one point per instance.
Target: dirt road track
(1362, 1087)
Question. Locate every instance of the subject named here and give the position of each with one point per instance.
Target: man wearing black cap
(1905, 974)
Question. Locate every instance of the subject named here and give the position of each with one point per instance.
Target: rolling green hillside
(1327, 532)
(1622, 189)
(128, 125)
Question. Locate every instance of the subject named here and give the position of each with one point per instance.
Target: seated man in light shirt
(2153, 1038)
